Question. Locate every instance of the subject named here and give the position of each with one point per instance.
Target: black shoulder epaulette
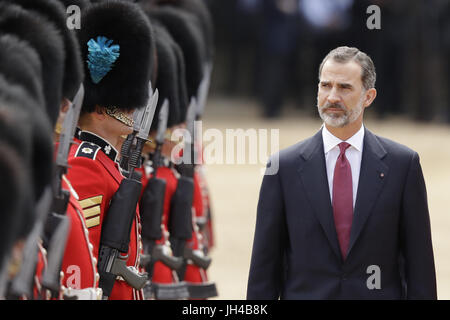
(87, 150)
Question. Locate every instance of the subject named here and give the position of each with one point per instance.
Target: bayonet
(127, 145)
(163, 117)
(147, 118)
(68, 129)
(190, 121)
(162, 124)
(137, 118)
(142, 134)
(61, 197)
(203, 89)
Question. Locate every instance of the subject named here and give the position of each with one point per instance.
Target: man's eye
(325, 85)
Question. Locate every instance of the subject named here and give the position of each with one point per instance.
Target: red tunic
(201, 201)
(205, 214)
(79, 265)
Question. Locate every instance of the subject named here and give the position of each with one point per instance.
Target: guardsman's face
(128, 130)
(341, 96)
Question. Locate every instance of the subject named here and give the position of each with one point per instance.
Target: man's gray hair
(345, 54)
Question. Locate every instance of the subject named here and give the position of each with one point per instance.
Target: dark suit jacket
(296, 251)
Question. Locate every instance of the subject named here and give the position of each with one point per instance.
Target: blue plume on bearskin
(101, 57)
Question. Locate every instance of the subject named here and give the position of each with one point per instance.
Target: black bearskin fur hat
(182, 27)
(167, 76)
(116, 42)
(55, 12)
(20, 65)
(47, 42)
(82, 4)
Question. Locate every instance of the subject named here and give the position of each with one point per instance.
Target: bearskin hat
(201, 11)
(11, 198)
(20, 64)
(187, 35)
(55, 12)
(28, 134)
(47, 42)
(167, 76)
(116, 42)
(82, 4)
(31, 134)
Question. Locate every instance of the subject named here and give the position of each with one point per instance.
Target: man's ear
(369, 96)
(99, 113)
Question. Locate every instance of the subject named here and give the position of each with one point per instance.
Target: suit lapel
(371, 180)
(315, 182)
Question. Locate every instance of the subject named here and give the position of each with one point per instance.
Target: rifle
(202, 94)
(57, 226)
(152, 205)
(116, 227)
(180, 222)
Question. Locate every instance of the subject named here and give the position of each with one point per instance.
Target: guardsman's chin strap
(120, 116)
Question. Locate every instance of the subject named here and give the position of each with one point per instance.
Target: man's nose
(333, 96)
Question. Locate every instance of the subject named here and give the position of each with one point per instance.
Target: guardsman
(202, 199)
(78, 265)
(116, 43)
(183, 29)
(44, 39)
(159, 180)
(196, 14)
(16, 194)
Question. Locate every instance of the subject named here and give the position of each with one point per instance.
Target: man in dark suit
(345, 216)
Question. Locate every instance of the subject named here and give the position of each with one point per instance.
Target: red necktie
(343, 199)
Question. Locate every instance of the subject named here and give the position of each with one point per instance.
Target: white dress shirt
(353, 154)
